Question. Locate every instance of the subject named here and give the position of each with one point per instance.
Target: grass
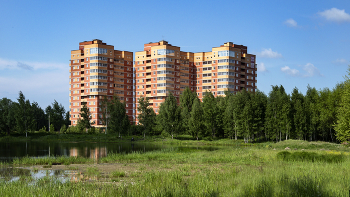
(259, 170)
(51, 160)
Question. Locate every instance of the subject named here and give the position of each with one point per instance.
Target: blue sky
(296, 42)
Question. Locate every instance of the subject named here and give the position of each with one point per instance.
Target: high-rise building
(161, 68)
(97, 70)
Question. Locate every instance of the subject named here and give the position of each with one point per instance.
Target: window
(98, 50)
(226, 53)
(165, 52)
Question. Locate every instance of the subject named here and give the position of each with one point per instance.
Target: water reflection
(11, 150)
(22, 174)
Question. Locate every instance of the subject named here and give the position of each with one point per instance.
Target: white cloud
(268, 53)
(291, 23)
(289, 71)
(43, 83)
(335, 15)
(13, 64)
(262, 68)
(309, 70)
(341, 61)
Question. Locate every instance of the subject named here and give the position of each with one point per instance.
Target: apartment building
(161, 68)
(97, 70)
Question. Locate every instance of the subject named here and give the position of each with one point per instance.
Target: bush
(136, 129)
(92, 130)
(52, 128)
(42, 130)
(63, 129)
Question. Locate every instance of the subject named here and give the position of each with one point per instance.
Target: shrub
(52, 128)
(42, 130)
(63, 129)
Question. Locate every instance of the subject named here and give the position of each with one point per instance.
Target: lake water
(12, 150)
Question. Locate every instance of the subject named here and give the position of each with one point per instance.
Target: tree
(169, 117)
(221, 104)
(85, 118)
(146, 116)
(118, 120)
(238, 102)
(56, 114)
(342, 127)
(7, 120)
(258, 105)
(24, 120)
(299, 114)
(209, 112)
(195, 122)
(66, 119)
(230, 125)
(39, 116)
(274, 118)
(186, 101)
(312, 112)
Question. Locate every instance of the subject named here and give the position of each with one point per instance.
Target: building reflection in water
(93, 153)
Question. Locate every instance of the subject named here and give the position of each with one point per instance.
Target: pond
(12, 150)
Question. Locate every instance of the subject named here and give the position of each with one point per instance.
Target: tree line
(23, 116)
(318, 115)
(249, 116)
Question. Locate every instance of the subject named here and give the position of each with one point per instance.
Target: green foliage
(85, 118)
(342, 127)
(118, 174)
(63, 129)
(186, 102)
(43, 130)
(195, 123)
(56, 114)
(310, 157)
(147, 116)
(52, 128)
(7, 120)
(169, 117)
(209, 113)
(118, 120)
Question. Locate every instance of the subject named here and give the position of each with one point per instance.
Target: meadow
(262, 169)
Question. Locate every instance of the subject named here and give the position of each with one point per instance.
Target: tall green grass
(225, 171)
